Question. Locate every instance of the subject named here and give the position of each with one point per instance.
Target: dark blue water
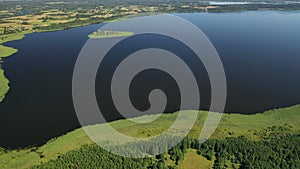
(261, 56)
(39, 104)
(260, 52)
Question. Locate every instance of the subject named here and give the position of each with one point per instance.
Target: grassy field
(254, 126)
(194, 161)
(3, 85)
(13, 37)
(6, 51)
(109, 34)
(231, 125)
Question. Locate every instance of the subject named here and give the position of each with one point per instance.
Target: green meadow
(254, 127)
(6, 51)
(3, 85)
(192, 160)
(13, 37)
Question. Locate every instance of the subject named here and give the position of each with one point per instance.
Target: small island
(100, 34)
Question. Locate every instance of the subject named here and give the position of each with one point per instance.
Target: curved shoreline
(7, 51)
(4, 87)
(4, 82)
(231, 125)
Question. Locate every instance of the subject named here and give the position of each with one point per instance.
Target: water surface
(260, 52)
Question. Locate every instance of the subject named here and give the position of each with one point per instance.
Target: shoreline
(4, 85)
(230, 126)
(4, 89)
(268, 112)
(7, 52)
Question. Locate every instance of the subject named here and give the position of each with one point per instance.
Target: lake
(259, 50)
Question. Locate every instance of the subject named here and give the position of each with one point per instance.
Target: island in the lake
(100, 34)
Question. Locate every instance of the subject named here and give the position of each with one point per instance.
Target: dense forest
(240, 152)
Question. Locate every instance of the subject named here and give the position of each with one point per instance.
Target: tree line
(239, 152)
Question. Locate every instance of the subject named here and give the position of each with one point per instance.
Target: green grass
(249, 125)
(31, 156)
(231, 125)
(194, 161)
(108, 34)
(6, 51)
(3, 85)
(13, 37)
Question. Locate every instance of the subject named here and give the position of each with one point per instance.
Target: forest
(241, 152)
(271, 141)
